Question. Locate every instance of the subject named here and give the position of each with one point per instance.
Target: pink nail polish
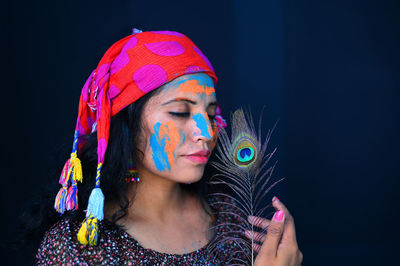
(275, 199)
(278, 216)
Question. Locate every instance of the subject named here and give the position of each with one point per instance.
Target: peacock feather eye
(244, 150)
(246, 154)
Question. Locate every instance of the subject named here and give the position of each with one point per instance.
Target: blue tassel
(96, 204)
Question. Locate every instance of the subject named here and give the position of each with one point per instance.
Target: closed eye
(180, 114)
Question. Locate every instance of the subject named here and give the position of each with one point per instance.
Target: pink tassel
(59, 203)
(72, 198)
(64, 174)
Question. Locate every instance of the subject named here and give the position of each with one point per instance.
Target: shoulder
(58, 244)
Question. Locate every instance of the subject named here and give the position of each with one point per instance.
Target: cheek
(214, 138)
(182, 137)
(163, 143)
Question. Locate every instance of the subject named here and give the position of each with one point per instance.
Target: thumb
(274, 234)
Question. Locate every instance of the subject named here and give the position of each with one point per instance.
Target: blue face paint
(160, 157)
(202, 124)
(182, 136)
(202, 80)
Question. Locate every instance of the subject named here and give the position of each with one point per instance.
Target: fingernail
(278, 216)
(275, 199)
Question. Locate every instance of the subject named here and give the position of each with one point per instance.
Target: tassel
(75, 169)
(93, 229)
(83, 233)
(88, 233)
(96, 204)
(64, 178)
(67, 199)
(72, 198)
(59, 203)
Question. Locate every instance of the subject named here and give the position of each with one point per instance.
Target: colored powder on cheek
(170, 134)
(157, 144)
(182, 136)
(202, 124)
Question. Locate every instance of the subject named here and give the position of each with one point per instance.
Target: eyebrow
(187, 100)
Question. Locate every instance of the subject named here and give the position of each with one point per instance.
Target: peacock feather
(242, 164)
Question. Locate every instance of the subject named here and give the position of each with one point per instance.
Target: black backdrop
(328, 70)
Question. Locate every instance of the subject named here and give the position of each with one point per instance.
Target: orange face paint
(170, 133)
(195, 87)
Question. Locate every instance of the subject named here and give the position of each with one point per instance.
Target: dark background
(328, 70)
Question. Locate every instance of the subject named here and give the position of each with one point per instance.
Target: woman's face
(179, 130)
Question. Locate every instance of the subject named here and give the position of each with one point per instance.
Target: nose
(202, 128)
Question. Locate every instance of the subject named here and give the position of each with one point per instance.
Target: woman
(149, 109)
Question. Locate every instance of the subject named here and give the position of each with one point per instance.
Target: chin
(191, 177)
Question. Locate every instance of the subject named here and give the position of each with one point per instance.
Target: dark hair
(123, 142)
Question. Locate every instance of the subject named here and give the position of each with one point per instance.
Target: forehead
(198, 87)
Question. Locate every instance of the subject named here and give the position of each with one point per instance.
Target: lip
(204, 153)
(199, 157)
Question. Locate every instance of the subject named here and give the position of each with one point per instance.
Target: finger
(256, 236)
(280, 206)
(290, 229)
(274, 234)
(259, 221)
(300, 254)
(256, 247)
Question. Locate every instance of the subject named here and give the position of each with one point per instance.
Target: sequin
(117, 247)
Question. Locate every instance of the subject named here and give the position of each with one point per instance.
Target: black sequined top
(116, 247)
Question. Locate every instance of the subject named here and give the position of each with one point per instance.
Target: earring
(133, 176)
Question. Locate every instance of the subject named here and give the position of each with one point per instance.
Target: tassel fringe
(96, 204)
(75, 168)
(72, 198)
(67, 198)
(88, 233)
(59, 204)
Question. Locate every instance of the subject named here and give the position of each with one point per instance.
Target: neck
(156, 198)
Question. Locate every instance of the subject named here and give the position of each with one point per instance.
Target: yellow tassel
(89, 231)
(83, 233)
(76, 167)
(93, 231)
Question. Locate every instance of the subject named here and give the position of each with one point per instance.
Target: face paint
(163, 143)
(197, 85)
(182, 136)
(203, 124)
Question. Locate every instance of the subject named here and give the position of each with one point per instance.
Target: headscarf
(131, 68)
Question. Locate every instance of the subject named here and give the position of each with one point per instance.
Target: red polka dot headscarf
(132, 67)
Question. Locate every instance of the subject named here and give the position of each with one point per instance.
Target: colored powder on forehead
(203, 124)
(157, 144)
(192, 86)
(202, 79)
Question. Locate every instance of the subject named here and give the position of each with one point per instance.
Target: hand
(279, 245)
